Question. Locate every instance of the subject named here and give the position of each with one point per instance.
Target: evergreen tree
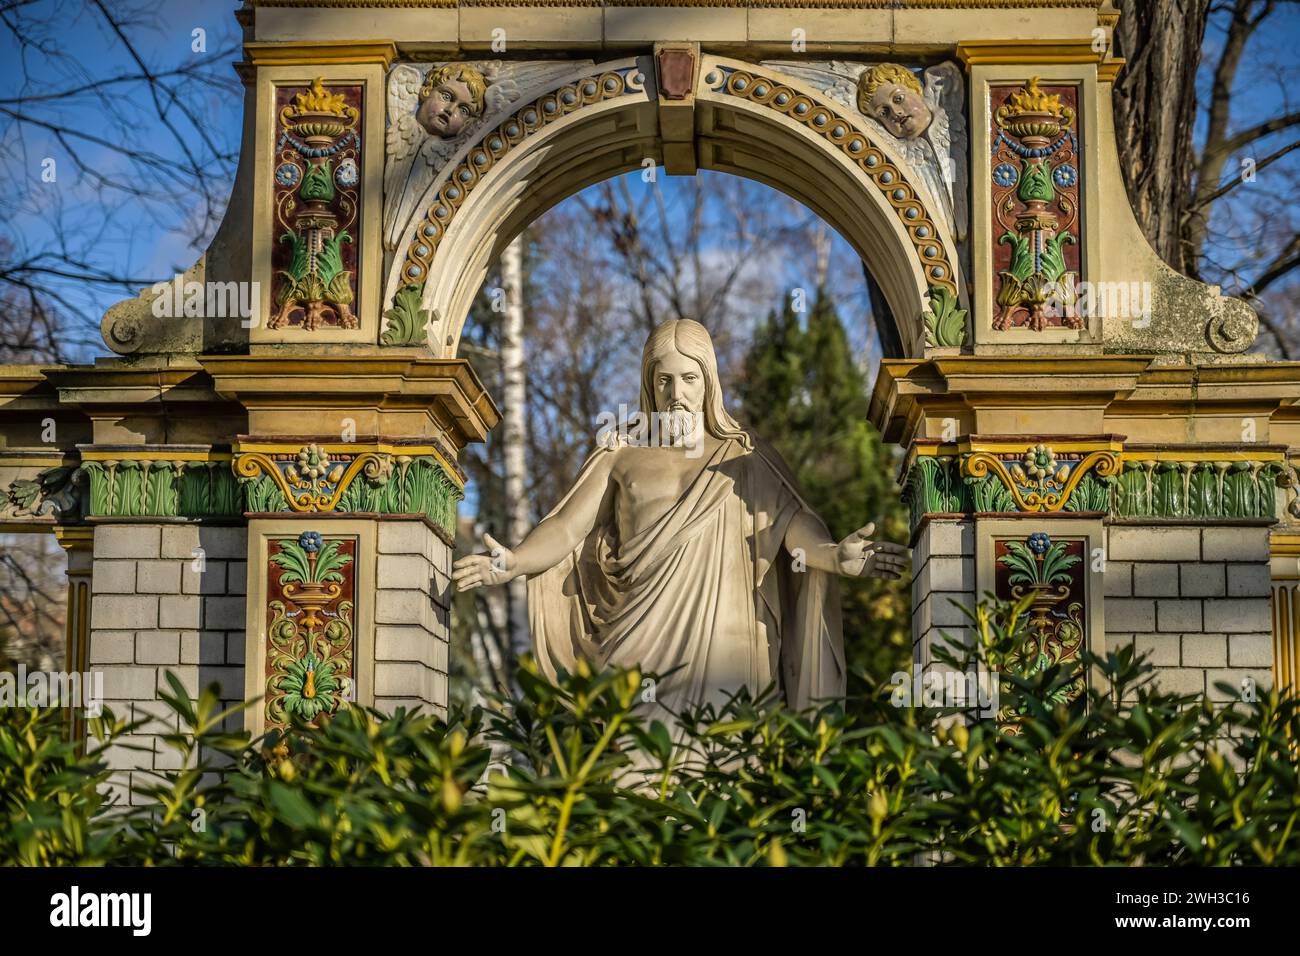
(803, 393)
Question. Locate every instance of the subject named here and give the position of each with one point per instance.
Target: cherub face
(446, 109)
(902, 111)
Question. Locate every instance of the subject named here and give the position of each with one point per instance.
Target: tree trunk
(1155, 112)
(514, 437)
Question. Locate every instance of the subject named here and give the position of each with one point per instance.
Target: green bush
(1125, 775)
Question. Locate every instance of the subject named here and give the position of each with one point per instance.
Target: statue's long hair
(692, 340)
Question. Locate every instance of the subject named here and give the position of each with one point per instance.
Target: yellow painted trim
(1108, 72)
(36, 527)
(1104, 463)
(1004, 52)
(94, 454)
(1284, 546)
(69, 458)
(932, 448)
(316, 54)
(354, 448)
(75, 537)
(252, 464)
(1189, 455)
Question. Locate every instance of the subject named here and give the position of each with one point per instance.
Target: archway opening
(786, 300)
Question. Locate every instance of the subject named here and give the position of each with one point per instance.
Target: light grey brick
(158, 647)
(1161, 648)
(1201, 580)
(235, 647)
(121, 612)
(399, 680)
(1153, 544)
(188, 676)
(1235, 544)
(114, 577)
(1118, 578)
(1155, 580)
(129, 755)
(179, 541)
(1205, 650)
(403, 643)
(1249, 580)
(1181, 680)
(129, 682)
(1250, 650)
(230, 679)
(126, 541)
(948, 574)
(211, 580)
(1131, 614)
(224, 613)
(230, 544)
(441, 651)
(157, 717)
(237, 577)
(1178, 615)
(403, 537)
(189, 647)
(1238, 615)
(112, 647)
(182, 611)
(212, 647)
(405, 571)
(158, 577)
(401, 607)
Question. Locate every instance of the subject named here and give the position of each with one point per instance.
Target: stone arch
(749, 121)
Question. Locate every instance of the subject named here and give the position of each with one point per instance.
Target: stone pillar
(943, 583)
(1196, 599)
(412, 616)
(166, 597)
(79, 542)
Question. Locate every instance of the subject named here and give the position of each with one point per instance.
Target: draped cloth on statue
(708, 589)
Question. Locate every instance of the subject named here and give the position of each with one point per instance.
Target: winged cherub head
(450, 97)
(892, 94)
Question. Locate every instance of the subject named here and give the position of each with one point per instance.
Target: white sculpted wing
(945, 92)
(838, 79)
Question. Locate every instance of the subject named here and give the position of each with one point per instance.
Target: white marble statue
(694, 552)
(925, 123)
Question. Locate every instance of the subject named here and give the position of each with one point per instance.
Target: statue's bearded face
(446, 109)
(902, 111)
(679, 388)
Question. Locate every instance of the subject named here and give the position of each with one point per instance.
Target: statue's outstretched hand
(860, 557)
(496, 566)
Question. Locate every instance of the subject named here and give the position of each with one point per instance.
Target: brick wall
(1195, 599)
(943, 572)
(412, 617)
(165, 597)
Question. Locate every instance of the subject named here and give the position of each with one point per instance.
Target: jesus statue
(693, 554)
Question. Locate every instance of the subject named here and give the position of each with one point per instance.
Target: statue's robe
(707, 592)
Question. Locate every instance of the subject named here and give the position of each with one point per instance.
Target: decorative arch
(749, 121)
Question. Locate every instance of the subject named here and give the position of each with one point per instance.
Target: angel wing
(838, 79)
(510, 82)
(945, 92)
(404, 133)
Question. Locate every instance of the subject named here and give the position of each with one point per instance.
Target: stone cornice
(1126, 387)
(397, 396)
